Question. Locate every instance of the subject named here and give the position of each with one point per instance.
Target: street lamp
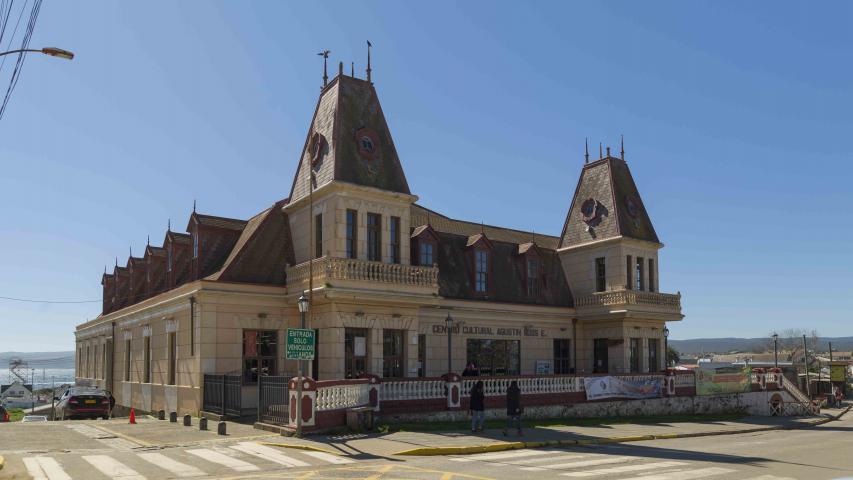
(449, 325)
(51, 51)
(776, 350)
(302, 303)
(666, 346)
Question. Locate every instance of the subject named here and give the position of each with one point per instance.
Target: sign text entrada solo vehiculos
(300, 344)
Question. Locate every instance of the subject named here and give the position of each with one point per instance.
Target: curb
(301, 447)
(497, 447)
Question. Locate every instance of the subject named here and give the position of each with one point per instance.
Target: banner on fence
(616, 387)
(714, 382)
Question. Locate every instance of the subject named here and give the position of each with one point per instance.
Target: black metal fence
(223, 394)
(273, 399)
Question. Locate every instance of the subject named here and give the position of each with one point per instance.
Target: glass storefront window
(392, 353)
(260, 348)
(355, 352)
(494, 357)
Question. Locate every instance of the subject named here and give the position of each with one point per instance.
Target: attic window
(533, 281)
(366, 144)
(481, 270)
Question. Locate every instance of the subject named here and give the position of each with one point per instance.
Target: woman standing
(513, 407)
(477, 407)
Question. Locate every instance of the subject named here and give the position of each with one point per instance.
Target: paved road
(102, 450)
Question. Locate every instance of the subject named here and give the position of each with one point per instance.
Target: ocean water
(42, 377)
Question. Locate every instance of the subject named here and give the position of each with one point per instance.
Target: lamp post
(51, 51)
(303, 308)
(666, 346)
(449, 324)
(776, 350)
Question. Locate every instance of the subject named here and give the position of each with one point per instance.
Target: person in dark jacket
(470, 370)
(513, 407)
(477, 407)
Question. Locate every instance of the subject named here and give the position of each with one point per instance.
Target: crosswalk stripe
(502, 455)
(686, 474)
(268, 453)
(45, 468)
(624, 469)
(557, 458)
(222, 459)
(328, 457)
(112, 468)
(583, 463)
(173, 466)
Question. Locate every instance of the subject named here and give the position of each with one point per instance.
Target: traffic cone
(132, 417)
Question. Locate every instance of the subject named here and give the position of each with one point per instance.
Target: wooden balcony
(334, 272)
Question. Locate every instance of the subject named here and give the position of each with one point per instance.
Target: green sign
(300, 344)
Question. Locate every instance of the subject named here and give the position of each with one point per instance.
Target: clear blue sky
(736, 120)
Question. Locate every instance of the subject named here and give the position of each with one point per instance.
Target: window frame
(562, 363)
(654, 360)
(639, 274)
(422, 246)
(394, 240)
(260, 359)
(635, 347)
(651, 275)
(351, 233)
(374, 237)
(389, 371)
(482, 266)
(601, 274)
(146, 358)
(629, 274)
(318, 235)
(172, 345)
(128, 358)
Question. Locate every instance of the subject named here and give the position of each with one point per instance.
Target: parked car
(34, 418)
(4, 415)
(82, 402)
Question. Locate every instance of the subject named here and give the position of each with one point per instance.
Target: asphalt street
(156, 450)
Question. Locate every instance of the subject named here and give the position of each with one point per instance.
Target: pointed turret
(349, 141)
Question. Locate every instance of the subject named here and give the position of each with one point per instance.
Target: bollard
(161, 415)
(173, 417)
(188, 420)
(220, 429)
(202, 423)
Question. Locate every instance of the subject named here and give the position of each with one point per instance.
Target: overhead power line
(29, 300)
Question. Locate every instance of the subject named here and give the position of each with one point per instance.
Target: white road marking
(102, 436)
(770, 477)
(45, 468)
(328, 457)
(502, 455)
(268, 453)
(557, 458)
(583, 463)
(112, 468)
(624, 469)
(222, 459)
(173, 466)
(686, 474)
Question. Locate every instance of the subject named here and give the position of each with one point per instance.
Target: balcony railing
(328, 269)
(666, 301)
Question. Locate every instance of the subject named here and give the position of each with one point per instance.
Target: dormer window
(481, 270)
(426, 255)
(533, 277)
(531, 269)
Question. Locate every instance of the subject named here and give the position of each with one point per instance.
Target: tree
(672, 356)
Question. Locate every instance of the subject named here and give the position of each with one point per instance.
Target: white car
(34, 418)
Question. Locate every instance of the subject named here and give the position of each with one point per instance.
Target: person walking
(477, 407)
(513, 407)
(470, 370)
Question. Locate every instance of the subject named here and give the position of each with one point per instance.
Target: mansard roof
(606, 204)
(349, 141)
(455, 263)
(152, 251)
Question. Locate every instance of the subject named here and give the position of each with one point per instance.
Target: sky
(736, 119)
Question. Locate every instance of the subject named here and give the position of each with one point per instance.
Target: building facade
(396, 289)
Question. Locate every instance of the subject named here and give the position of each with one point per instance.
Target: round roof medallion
(632, 206)
(317, 149)
(591, 211)
(367, 141)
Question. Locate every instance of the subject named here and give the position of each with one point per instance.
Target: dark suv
(82, 402)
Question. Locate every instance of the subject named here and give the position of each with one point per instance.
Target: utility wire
(27, 300)
(19, 64)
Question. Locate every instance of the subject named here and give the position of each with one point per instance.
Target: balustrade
(336, 397)
(630, 297)
(333, 268)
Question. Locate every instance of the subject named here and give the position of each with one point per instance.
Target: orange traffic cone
(132, 417)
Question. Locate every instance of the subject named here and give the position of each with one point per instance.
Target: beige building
(389, 277)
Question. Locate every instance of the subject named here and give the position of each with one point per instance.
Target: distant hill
(722, 345)
(40, 359)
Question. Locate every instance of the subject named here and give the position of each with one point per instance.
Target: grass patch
(15, 414)
(563, 422)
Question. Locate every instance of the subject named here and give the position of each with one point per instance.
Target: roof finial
(169, 226)
(105, 269)
(325, 55)
(340, 69)
(586, 150)
(600, 153)
(622, 152)
(482, 227)
(352, 69)
(149, 241)
(368, 60)
(130, 250)
(193, 205)
(116, 261)
(608, 152)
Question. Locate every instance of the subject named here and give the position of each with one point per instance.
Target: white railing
(336, 397)
(772, 377)
(795, 392)
(496, 386)
(685, 380)
(334, 268)
(630, 297)
(412, 389)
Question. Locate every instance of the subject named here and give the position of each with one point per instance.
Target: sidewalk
(455, 443)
